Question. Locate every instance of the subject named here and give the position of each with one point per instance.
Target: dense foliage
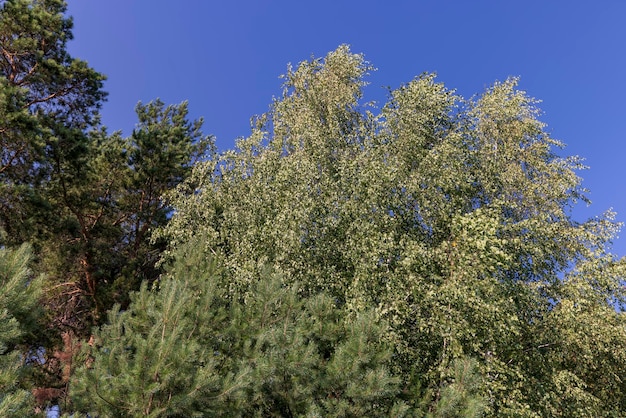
(19, 292)
(449, 218)
(86, 200)
(413, 259)
(192, 349)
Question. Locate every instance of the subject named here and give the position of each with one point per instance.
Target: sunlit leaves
(449, 217)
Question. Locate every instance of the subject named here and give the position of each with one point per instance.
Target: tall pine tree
(45, 94)
(86, 200)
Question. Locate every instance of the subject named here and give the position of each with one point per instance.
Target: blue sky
(225, 57)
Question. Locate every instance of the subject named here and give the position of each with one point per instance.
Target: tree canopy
(412, 258)
(448, 217)
(85, 199)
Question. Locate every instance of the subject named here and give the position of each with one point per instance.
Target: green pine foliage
(192, 349)
(49, 99)
(19, 313)
(45, 93)
(87, 201)
(460, 397)
(418, 258)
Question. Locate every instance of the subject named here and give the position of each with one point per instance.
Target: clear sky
(225, 57)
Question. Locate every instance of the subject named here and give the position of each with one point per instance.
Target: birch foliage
(449, 217)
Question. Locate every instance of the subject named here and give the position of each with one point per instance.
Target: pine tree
(159, 155)
(191, 348)
(86, 200)
(45, 94)
(109, 202)
(19, 294)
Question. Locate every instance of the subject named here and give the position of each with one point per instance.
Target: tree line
(413, 259)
